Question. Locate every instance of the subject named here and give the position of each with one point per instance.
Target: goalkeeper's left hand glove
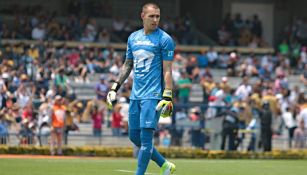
(166, 104)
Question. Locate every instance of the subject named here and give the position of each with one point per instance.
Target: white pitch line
(127, 171)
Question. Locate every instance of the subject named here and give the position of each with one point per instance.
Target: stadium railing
(122, 46)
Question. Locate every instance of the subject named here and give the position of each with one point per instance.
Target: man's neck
(148, 31)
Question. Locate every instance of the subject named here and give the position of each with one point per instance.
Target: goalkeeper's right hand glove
(166, 104)
(111, 97)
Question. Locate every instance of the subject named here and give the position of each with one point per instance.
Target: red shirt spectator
(116, 120)
(27, 113)
(73, 59)
(97, 118)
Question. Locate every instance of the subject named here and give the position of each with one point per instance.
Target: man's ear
(142, 15)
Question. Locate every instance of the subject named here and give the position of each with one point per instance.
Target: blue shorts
(143, 114)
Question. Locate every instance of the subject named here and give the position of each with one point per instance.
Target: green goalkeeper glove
(111, 97)
(166, 105)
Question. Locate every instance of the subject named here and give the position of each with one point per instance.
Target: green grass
(112, 166)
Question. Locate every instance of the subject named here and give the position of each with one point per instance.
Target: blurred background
(239, 72)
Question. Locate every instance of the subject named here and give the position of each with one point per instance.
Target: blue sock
(145, 151)
(135, 137)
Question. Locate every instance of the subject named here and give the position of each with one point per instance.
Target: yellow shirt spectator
(33, 52)
(274, 106)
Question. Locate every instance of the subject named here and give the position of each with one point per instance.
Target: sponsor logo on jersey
(144, 43)
(170, 53)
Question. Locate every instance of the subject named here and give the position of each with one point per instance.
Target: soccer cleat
(167, 168)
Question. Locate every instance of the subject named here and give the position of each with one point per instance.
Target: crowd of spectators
(236, 31)
(293, 41)
(35, 76)
(41, 24)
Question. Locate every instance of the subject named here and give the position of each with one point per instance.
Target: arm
(166, 105)
(124, 73)
(167, 72)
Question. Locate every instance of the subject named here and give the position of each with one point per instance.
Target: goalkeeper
(150, 52)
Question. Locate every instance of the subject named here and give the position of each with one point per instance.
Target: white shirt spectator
(289, 119)
(104, 37)
(38, 33)
(124, 110)
(243, 91)
(303, 116)
(114, 69)
(220, 95)
(22, 99)
(303, 58)
(34, 21)
(91, 30)
(118, 25)
(223, 60)
(212, 56)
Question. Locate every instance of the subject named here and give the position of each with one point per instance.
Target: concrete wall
(284, 12)
(54, 5)
(123, 8)
(207, 15)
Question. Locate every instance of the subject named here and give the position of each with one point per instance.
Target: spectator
(266, 126)
(184, 85)
(44, 121)
(61, 82)
(289, 120)
(26, 134)
(1, 28)
(39, 32)
(202, 59)
(302, 116)
(223, 36)
(102, 89)
(124, 111)
(244, 90)
(223, 60)
(3, 131)
(116, 121)
(104, 37)
(303, 76)
(70, 115)
(57, 129)
(212, 56)
(118, 27)
(98, 119)
(27, 112)
(23, 95)
(224, 85)
(229, 128)
(207, 84)
(256, 26)
(300, 135)
(283, 48)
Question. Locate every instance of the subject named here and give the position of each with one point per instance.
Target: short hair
(150, 4)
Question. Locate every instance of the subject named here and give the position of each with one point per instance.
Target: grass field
(118, 166)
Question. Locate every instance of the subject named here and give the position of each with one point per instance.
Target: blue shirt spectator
(202, 60)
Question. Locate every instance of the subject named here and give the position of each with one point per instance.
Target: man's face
(151, 18)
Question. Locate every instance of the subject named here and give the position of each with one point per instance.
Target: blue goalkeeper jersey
(148, 53)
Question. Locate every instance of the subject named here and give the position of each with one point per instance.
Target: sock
(135, 137)
(145, 151)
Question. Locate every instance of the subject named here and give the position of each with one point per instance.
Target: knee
(135, 138)
(146, 138)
